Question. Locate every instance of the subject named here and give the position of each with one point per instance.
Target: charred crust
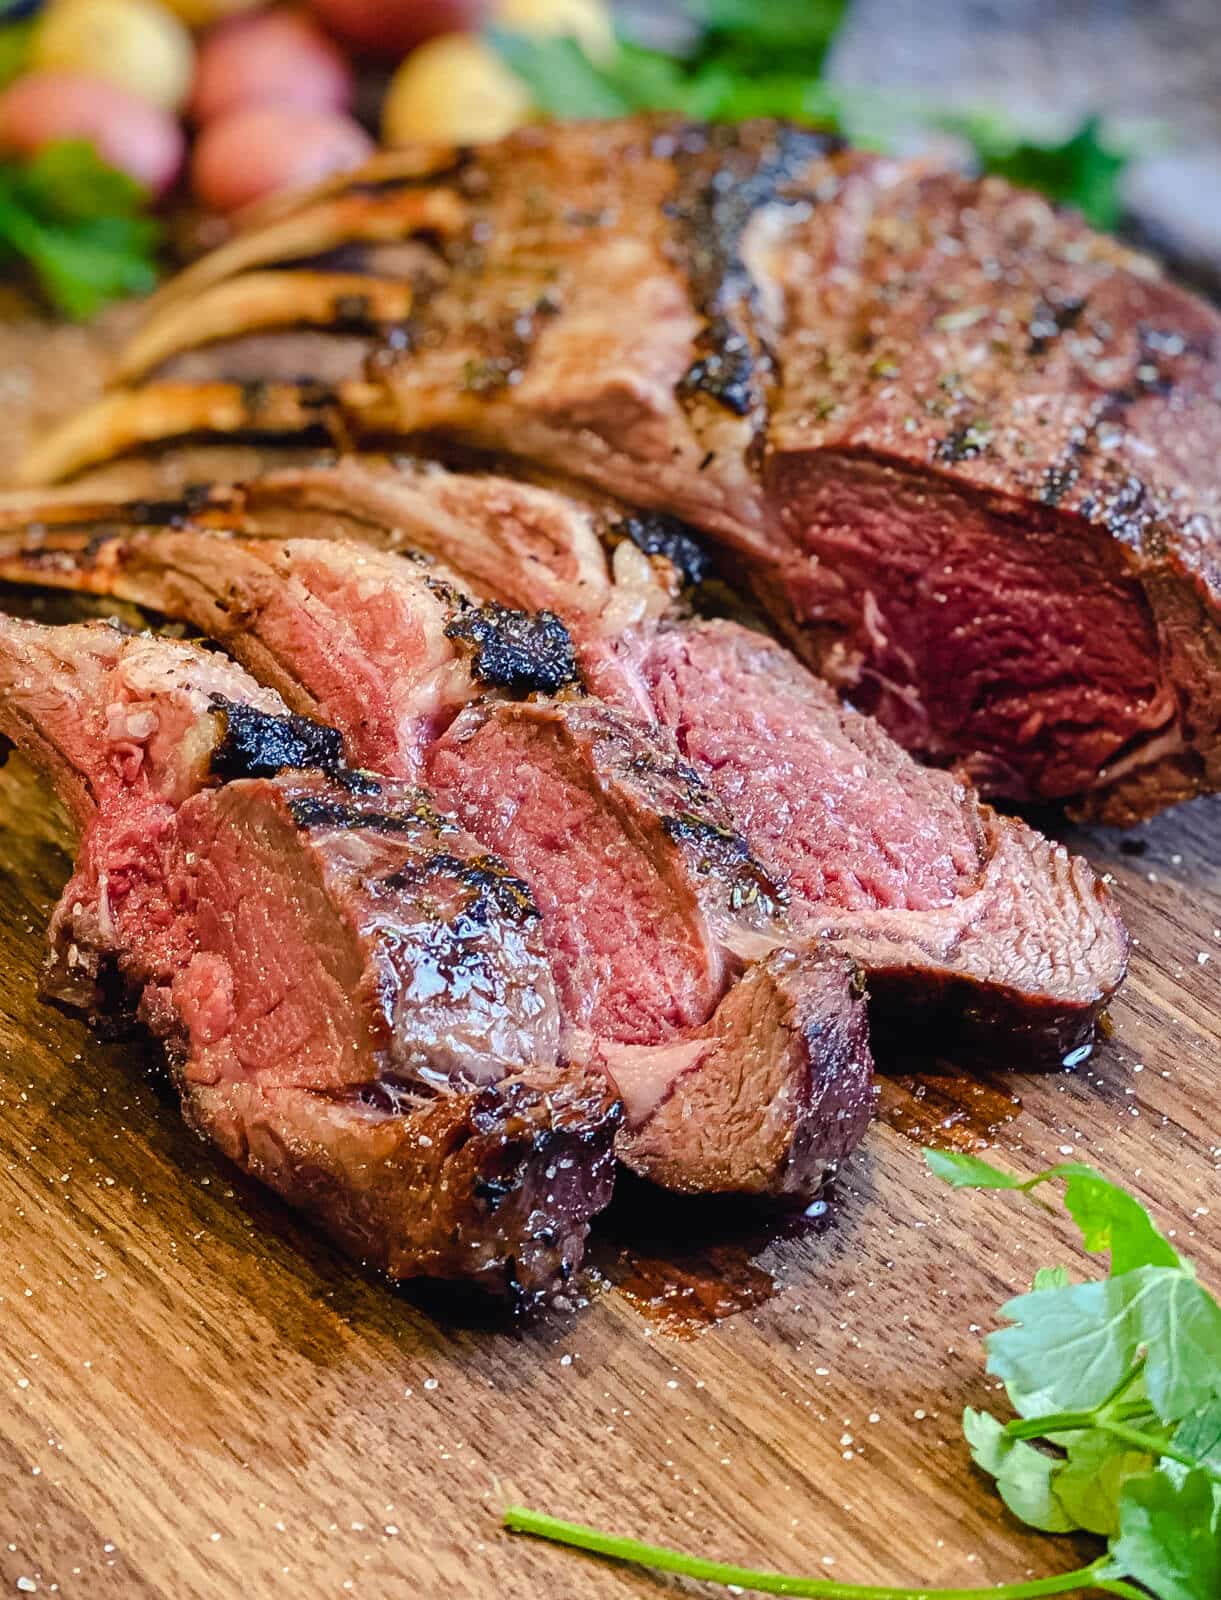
(720, 848)
(724, 369)
(259, 744)
(172, 513)
(493, 888)
(659, 535)
(506, 348)
(963, 444)
(1120, 501)
(1051, 318)
(724, 175)
(687, 825)
(1058, 480)
(309, 811)
(352, 313)
(522, 651)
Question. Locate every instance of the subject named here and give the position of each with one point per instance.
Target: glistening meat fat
(354, 996)
(962, 448)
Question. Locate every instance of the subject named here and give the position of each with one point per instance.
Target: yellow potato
(203, 13)
(453, 90)
(587, 21)
(135, 44)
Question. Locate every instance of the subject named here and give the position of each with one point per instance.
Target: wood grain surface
(202, 1400)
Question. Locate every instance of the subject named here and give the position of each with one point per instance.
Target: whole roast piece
(961, 448)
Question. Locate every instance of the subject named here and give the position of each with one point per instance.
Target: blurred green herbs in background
(79, 226)
(764, 58)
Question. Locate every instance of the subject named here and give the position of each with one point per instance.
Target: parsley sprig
(745, 58)
(1116, 1383)
(78, 225)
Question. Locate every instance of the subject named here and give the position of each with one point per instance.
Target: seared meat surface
(742, 1064)
(961, 447)
(354, 995)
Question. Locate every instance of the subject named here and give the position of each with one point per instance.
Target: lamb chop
(974, 931)
(353, 994)
(961, 447)
(666, 938)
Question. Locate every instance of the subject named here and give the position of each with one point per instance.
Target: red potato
(392, 27)
(258, 150)
(133, 135)
(277, 58)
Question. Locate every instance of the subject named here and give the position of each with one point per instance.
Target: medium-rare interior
(975, 932)
(962, 447)
(354, 996)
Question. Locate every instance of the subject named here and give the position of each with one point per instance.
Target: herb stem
(517, 1519)
(1150, 1442)
(1077, 1421)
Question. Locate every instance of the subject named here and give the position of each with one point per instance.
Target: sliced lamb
(354, 996)
(385, 647)
(1005, 946)
(654, 907)
(962, 447)
(973, 929)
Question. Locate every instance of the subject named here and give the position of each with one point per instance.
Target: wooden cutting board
(202, 1400)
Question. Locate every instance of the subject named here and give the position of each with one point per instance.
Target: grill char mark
(518, 651)
(724, 177)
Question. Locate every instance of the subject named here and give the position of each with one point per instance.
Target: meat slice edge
(704, 908)
(903, 865)
(740, 1052)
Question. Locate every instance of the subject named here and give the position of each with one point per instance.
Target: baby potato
(453, 90)
(587, 21)
(135, 44)
(277, 58)
(258, 150)
(132, 135)
(392, 27)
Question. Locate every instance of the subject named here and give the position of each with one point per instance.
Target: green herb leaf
(1088, 1482)
(1052, 1278)
(1070, 1349)
(15, 40)
(1025, 1476)
(69, 180)
(963, 1171)
(1170, 1535)
(1199, 1435)
(1109, 1217)
(78, 225)
(561, 78)
(1082, 170)
(786, 36)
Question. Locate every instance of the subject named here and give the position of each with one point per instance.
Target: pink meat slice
(354, 996)
(961, 918)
